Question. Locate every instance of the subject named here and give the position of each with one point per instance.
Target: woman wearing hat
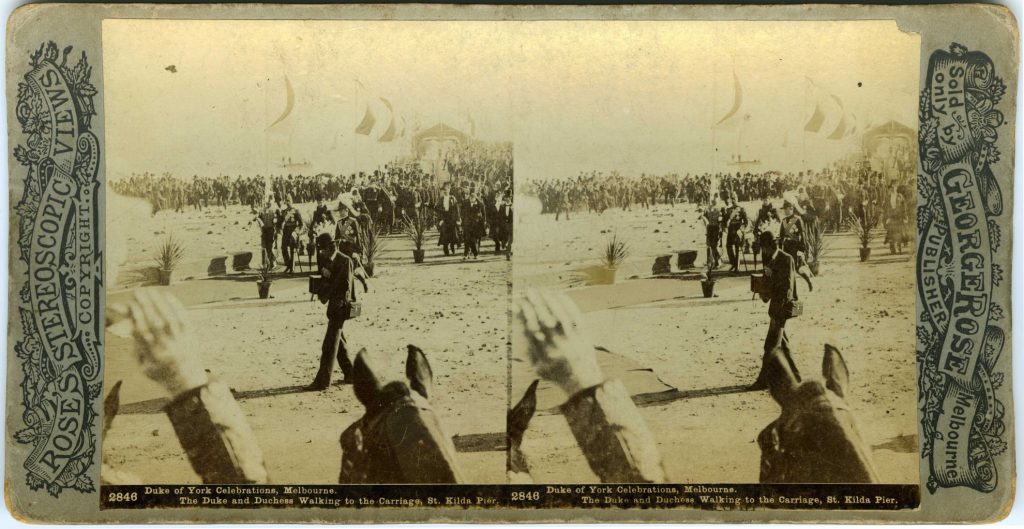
(793, 237)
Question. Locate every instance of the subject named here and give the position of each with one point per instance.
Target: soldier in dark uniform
(712, 218)
(736, 221)
(291, 226)
(765, 215)
(346, 229)
(266, 220)
(793, 238)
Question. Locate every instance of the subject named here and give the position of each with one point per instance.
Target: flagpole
(355, 137)
(803, 136)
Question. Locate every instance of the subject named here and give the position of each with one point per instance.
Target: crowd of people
(474, 202)
(597, 191)
(828, 194)
(829, 197)
(599, 412)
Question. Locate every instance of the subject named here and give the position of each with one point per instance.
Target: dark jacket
(614, 438)
(336, 289)
(346, 234)
(793, 234)
(216, 438)
(448, 220)
(781, 283)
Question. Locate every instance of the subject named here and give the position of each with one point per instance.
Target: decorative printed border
(58, 240)
(959, 340)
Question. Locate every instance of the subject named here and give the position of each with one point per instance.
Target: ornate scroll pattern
(961, 337)
(58, 240)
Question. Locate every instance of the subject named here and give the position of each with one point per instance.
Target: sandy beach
(664, 335)
(267, 350)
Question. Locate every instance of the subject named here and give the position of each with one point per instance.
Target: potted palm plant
(169, 255)
(707, 281)
(266, 277)
(863, 222)
(371, 243)
(615, 253)
(415, 227)
(816, 247)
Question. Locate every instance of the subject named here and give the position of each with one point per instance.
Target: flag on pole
(817, 119)
(289, 103)
(388, 134)
(840, 130)
(726, 123)
(366, 125)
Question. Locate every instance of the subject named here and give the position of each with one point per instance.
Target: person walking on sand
(474, 221)
(338, 293)
(793, 238)
(778, 290)
(291, 226)
(266, 221)
(449, 219)
(736, 221)
(712, 218)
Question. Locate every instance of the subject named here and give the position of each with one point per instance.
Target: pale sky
(633, 96)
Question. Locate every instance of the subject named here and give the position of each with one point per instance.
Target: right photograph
(713, 275)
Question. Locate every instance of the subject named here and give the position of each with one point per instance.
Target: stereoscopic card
(438, 263)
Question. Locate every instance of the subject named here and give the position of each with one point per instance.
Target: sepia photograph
(309, 233)
(429, 263)
(714, 274)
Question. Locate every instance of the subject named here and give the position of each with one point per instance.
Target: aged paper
(440, 263)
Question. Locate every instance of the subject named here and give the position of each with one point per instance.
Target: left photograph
(308, 240)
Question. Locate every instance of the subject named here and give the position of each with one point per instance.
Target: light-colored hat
(789, 199)
(346, 201)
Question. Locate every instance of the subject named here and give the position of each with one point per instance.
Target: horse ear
(520, 414)
(111, 405)
(782, 380)
(833, 368)
(417, 370)
(365, 383)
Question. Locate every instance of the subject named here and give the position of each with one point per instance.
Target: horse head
(399, 438)
(815, 438)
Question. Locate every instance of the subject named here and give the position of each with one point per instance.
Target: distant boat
(288, 163)
(740, 162)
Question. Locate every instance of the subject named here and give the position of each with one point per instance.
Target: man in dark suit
(503, 239)
(338, 293)
(735, 220)
(778, 290)
(449, 219)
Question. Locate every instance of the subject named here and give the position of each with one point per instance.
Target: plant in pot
(863, 222)
(265, 277)
(816, 246)
(415, 227)
(371, 240)
(169, 255)
(615, 253)
(707, 280)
